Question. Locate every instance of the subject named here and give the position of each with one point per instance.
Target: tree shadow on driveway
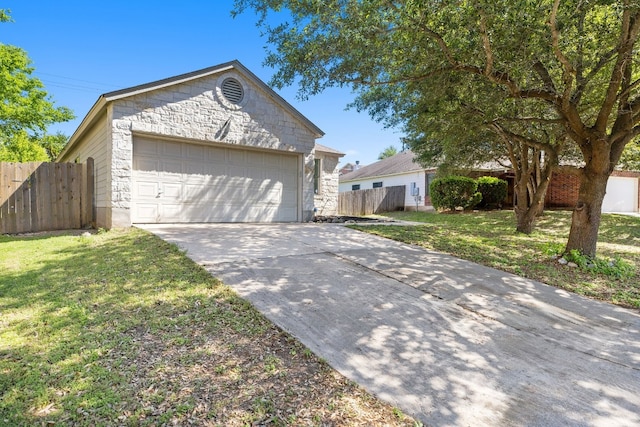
(448, 341)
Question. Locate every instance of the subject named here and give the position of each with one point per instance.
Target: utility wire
(99, 88)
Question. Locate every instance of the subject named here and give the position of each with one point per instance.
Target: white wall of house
(406, 179)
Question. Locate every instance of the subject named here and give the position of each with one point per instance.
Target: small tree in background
(26, 109)
(493, 190)
(20, 148)
(453, 192)
(388, 152)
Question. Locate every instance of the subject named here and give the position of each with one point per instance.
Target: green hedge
(493, 190)
(454, 192)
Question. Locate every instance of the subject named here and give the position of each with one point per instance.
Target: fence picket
(370, 201)
(45, 196)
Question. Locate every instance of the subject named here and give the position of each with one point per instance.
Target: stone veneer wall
(326, 202)
(196, 111)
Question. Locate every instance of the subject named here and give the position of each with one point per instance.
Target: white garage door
(622, 195)
(182, 182)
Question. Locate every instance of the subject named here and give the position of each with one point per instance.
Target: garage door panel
(144, 147)
(288, 163)
(171, 149)
(184, 182)
(195, 152)
(170, 212)
(147, 165)
(272, 161)
(147, 212)
(145, 189)
(171, 168)
(196, 168)
(215, 154)
(172, 191)
(236, 157)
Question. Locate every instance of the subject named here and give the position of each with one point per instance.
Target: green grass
(489, 238)
(121, 328)
(69, 301)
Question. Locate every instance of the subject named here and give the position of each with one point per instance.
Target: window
(355, 187)
(316, 175)
(377, 184)
(429, 179)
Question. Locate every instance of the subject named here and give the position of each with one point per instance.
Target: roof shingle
(398, 163)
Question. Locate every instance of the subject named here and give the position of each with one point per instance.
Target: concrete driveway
(447, 341)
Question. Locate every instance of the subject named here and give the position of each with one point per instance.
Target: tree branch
(628, 37)
(568, 69)
(532, 120)
(542, 71)
(495, 125)
(486, 44)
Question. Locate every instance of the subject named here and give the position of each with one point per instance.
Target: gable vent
(232, 90)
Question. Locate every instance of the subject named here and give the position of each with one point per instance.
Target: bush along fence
(371, 201)
(40, 196)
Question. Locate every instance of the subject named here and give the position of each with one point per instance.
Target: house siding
(97, 146)
(195, 112)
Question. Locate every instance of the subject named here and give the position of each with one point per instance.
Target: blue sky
(81, 49)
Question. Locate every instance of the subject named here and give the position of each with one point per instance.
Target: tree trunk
(585, 220)
(531, 188)
(528, 209)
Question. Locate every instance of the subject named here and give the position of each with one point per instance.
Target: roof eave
(86, 123)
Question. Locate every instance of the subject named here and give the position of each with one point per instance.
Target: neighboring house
(214, 145)
(623, 191)
(623, 188)
(399, 169)
(349, 167)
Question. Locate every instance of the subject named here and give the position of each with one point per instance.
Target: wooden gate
(40, 196)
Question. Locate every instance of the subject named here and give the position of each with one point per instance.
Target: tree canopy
(26, 109)
(536, 73)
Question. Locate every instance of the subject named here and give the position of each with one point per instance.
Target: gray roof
(325, 149)
(402, 162)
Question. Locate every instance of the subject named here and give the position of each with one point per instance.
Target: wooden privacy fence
(375, 200)
(40, 196)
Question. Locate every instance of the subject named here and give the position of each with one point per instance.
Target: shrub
(454, 192)
(493, 190)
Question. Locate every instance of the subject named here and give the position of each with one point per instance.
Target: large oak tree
(570, 65)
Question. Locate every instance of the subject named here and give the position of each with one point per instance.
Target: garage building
(214, 145)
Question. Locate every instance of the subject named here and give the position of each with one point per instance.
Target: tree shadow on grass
(66, 315)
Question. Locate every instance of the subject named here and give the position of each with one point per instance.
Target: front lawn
(489, 238)
(121, 328)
